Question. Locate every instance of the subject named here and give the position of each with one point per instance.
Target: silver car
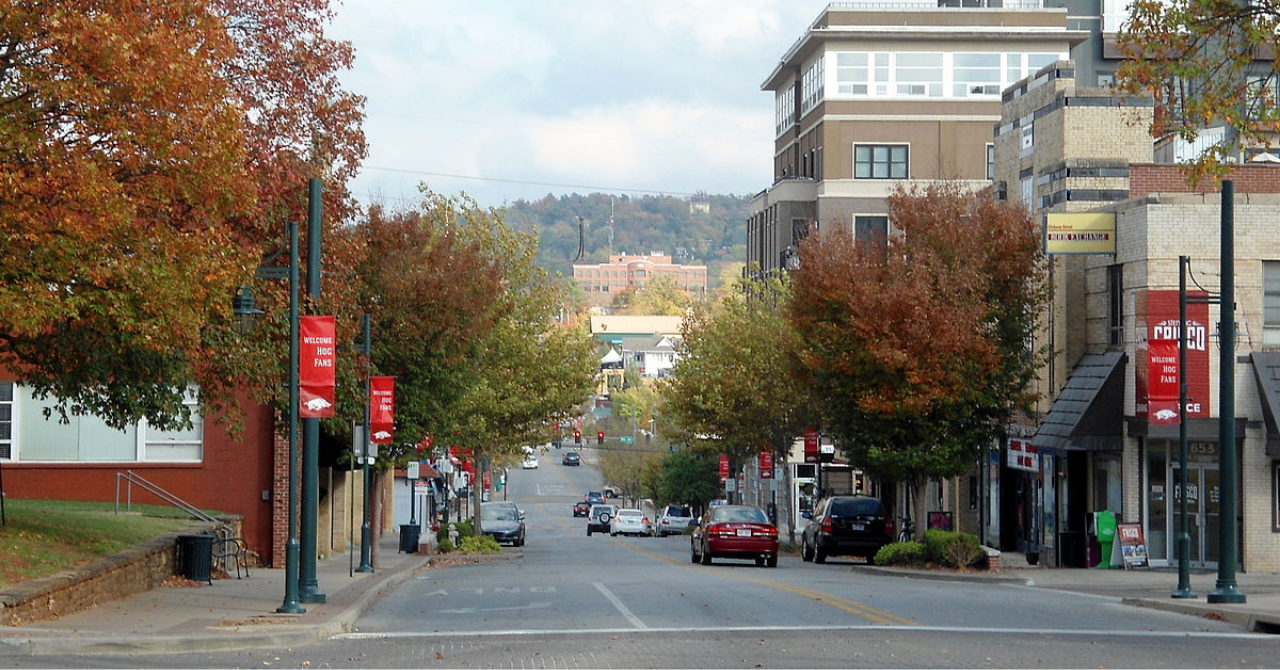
(630, 521)
(674, 520)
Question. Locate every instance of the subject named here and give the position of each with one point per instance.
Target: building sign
(1080, 233)
(381, 409)
(1158, 321)
(317, 366)
(1022, 455)
(766, 464)
(811, 439)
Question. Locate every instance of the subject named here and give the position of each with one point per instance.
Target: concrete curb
(238, 639)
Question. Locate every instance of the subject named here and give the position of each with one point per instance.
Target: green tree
(1199, 61)
(733, 390)
(660, 296)
(918, 345)
(688, 478)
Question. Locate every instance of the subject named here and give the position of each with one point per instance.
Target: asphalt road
(568, 600)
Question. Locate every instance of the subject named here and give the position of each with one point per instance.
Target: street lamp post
(308, 586)
(365, 565)
(1184, 536)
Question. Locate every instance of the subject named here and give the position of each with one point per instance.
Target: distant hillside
(641, 225)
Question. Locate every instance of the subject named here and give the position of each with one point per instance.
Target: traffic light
(577, 436)
(600, 437)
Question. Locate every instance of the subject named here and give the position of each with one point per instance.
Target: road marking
(850, 606)
(635, 620)
(1021, 632)
(478, 610)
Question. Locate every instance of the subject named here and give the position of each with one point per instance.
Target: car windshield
(855, 506)
(738, 514)
(498, 514)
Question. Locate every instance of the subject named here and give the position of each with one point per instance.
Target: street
(568, 600)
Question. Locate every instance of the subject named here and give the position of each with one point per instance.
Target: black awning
(1088, 415)
(1266, 369)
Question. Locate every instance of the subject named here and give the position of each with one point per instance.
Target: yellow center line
(832, 600)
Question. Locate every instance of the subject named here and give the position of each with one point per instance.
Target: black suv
(846, 526)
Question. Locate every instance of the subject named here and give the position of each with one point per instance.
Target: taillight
(716, 529)
(826, 524)
(888, 526)
(766, 532)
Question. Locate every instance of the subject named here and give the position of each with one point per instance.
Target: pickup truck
(612, 492)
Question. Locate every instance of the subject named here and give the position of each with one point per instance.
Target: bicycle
(908, 532)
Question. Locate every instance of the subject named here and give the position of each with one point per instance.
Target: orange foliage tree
(149, 153)
(917, 345)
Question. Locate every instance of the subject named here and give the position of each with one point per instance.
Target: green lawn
(45, 537)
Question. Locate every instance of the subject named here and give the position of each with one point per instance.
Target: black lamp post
(308, 586)
(243, 306)
(365, 565)
(1184, 536)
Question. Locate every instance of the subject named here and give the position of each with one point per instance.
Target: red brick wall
(231, 478)
(1147, 178)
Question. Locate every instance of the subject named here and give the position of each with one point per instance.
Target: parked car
(854, 525)
(530, 463)
(735, 531)
(611, 492)
(630, 521)
(504, 522)
(571, 458)
(599, 518)
(673, 520)
(581, 508)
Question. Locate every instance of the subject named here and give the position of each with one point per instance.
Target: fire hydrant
(453, 534)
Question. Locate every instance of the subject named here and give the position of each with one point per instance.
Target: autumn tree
(1199, 61)
(151, 153)
(917, 345)
(660, 296)
(732, 390)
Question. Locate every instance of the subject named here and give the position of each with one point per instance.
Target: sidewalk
(228, 615)
(1147, 587)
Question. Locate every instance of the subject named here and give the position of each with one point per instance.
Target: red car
(581, 508)
(735, 531)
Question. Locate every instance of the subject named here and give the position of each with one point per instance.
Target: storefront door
(1203, 500)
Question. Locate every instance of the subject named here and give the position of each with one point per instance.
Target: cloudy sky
(515, 99)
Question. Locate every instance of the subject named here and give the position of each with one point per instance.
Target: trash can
(195, 557)
(409, 537)
(1073, 549)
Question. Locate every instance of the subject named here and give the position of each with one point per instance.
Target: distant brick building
(603, 281)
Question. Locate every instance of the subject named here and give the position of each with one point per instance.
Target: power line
(606, 189)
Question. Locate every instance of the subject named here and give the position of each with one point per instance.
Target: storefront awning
(1089, 413)
(1266, 369)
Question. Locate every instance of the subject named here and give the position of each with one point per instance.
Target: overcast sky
(515, 99)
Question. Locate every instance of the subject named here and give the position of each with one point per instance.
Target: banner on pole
(766, 464)
(317, 366)
(811, 439)
(382, 409)
(724, 467)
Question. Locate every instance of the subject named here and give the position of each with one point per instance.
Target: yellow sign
(1081, 233)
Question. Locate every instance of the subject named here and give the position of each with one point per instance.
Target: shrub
(479, 545)
(464, 531)
(444, 546)
(901, 553)
(952, 548)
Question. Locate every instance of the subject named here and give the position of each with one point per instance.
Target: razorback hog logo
(382, 435)
(1166, 414)
(316, 404)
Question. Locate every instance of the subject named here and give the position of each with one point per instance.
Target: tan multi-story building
(1102, 440)
(877, 95)
(603, 281)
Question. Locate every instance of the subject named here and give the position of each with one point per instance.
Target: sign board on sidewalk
(1131, 546)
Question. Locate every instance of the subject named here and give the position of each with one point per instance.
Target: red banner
(766, 464)
(811, 445)
(724, 467)
(1162, 382)
(1160, 309)
(382, 407)
(317, 366)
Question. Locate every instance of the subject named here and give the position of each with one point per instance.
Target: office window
(811, 86)
(991, 161)
(1028, 192)
(6, 420)
(1115, 305)
(870, 229)
(176, 445)
(1271, 303)
(1027, 135)
(784, 109)
(975, 74)
(880, 161)
(918, 74)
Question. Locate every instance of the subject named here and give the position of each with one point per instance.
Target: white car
(630, 521)
(530, 463)
(674, 520)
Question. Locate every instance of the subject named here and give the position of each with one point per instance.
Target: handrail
(224, 532)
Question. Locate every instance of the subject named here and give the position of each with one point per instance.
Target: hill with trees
(636, 225)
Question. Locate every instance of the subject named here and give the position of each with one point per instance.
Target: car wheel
(871, 559)
(771, 561)
(806, 554)
(693, 555)
(706, 556)
(819, 554)
(588, 531)
(759, 561)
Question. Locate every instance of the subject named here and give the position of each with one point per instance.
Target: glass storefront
(1166, 484)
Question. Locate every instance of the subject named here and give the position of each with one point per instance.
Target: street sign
(626, 439)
